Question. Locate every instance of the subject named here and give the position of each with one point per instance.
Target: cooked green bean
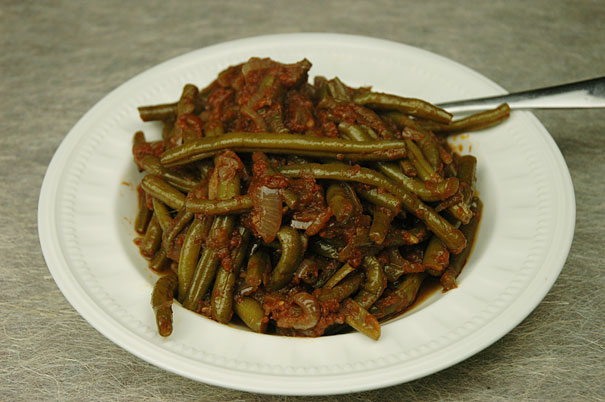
(397, 265)
(180, 220)
(448, 279)
(236, 205)
(360, 319)
(324, 249)
(425, 191)
(451, 236)
(401, 297)
(436, 257)
(338, 200)
(381, 222)
(161, 302)
(374, 284)
(190, 254)
(160, 261)
(162, 214)
(221, 302)
(158, 188)
(422, 165)
(344, 289)
(477, 121)
(338, 276)
(251, 312)
(205, 270)
(258, 269)
(338, 90)
(291, 255)
(410, 106)
(152, 239)
(213, 128)
(183, 182)
(143, 214)
(157, 112)
(284, 143)
(380, 198)
(429, 146)
(189, 102)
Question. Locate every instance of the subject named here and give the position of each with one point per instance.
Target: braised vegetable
(301, 208)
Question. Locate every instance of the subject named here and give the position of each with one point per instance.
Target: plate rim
(73, 293)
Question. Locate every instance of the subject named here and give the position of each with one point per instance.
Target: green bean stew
(299, 208)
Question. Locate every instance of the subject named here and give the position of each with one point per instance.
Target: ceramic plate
(88, 203)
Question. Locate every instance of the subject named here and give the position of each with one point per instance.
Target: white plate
(87, 205)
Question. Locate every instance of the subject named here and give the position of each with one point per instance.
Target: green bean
(275, 121)
(221, 302)
(190, 254)
(374, 284)
(161, 302)
(360, 319)
(321, 88)
(236, 205)
(160, 262)
(338, 276)
(467, 166)
(157, 112)
(338, 90)
(338, 201)
(168, 127)
(397, 265)
(344, 289)
(381, 222)
(353, 132)
(425, 191)
(189, 102)
(284, 143)
(152, 239)
(324, 249)
(206, 267)
(403, 237)
(436, 256)
(291, 255)
(423, 167)
(457, 262)
(179, 222)
(407, 167)
(162, 214)
(401, 297)
(451, 236)
(461, 212)
(258, 269)
(477, 121)
(183, 182)
(380, 198)
(428, 144)
(143, 214)
(410, 106)
(401, 120)
(251, 312)
(158, 188)
(213, 128)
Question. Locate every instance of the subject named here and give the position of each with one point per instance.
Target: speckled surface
(57, 59)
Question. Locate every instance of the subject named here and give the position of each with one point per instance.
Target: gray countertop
(58, 58)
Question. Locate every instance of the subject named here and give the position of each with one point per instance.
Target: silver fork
(575, 95)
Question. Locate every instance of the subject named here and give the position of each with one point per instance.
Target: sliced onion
(267, 212)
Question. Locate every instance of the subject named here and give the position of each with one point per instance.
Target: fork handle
(575, 95)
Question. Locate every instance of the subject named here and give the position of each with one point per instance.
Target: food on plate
(299, 208)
